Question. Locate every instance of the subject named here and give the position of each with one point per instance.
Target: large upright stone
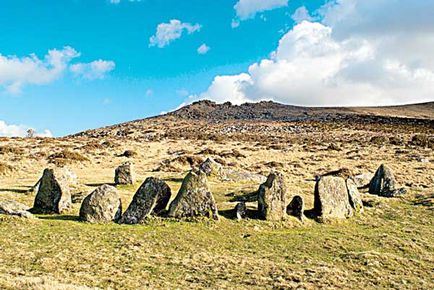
(296, 207)
(354, 196)
(331, 199)
(124, 174)
(272, 197)
(151, 198)
(103, 205)
(194, 198)
(53, 194)
(211, 168)
(383, 183)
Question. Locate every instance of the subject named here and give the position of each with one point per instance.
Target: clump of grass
(11, 150)
(66, 157)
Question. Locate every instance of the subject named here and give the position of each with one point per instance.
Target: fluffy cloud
(246, 9)
(7, 130)
(203, 49)
(168, 32)
(94, 70)
(301, 14)
(16, 72)
(344, 59)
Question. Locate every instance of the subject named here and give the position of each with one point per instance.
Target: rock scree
(152, 197)
(272, 197)
(331, 200)
(194, 198)
(103, 205)
(54, 194)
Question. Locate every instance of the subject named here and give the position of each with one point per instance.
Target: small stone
(194, 198)
(103, 205)
(296, 207)
(354, 196)
(331, 198)
(124, 174)
(241, 210)
(272, 197)
(362, 180)
(151, 198)
(383, 183)
(54, 194)
(10, 207)
(211, 168)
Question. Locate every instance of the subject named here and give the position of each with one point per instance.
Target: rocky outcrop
(53, 194)
(332, 199)
(194, 198)
(103, 205)
(10, 207)
(272, 197)
(296, 207)
(124, 174)
(151, 198)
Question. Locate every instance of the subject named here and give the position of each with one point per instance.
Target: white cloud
(357, 55)
(168, 32)
(93, 70)
(10, 130)
(16, 72)
(203, 49)
(301, 14)
(246, 9)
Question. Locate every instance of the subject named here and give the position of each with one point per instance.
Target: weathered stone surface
(124, 174)
(354, 196)
(194, 198)
(383, 183)
(212, 168)
(10, 207)
(151, 198)
(103, 205)
(238, 176)
(54, 194)
(331, 198)
(362, 180)
(296, 207)
(272, 197)
(241, 211)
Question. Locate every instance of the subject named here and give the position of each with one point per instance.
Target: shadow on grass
(16, 190)
(231, 214)
(174, 179)
(99, 184)
(60, 217)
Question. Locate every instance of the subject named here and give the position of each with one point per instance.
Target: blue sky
(105, 69)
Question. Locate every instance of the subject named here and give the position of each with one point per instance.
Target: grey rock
(362, 180)
(272, 197)
(124, 174)
(383, 183)
(331, 199)
(194, 198)
(354, 196)
(212, 168)
(296, 207)
(151, 198)
(103, 205)
(241, 211)
(54, 194)
(10, 207)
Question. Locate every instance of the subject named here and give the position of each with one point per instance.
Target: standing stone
(194, 198)
(241, 210)
(151, 198)
(354, 196)
(54, 194)
(272, 197)
(296, 207)
(10, 207)
(124, 174)
(383, 183)
(211, 168)
(103, 205)
(331, 198)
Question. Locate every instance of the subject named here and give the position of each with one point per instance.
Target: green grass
(390, 246)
